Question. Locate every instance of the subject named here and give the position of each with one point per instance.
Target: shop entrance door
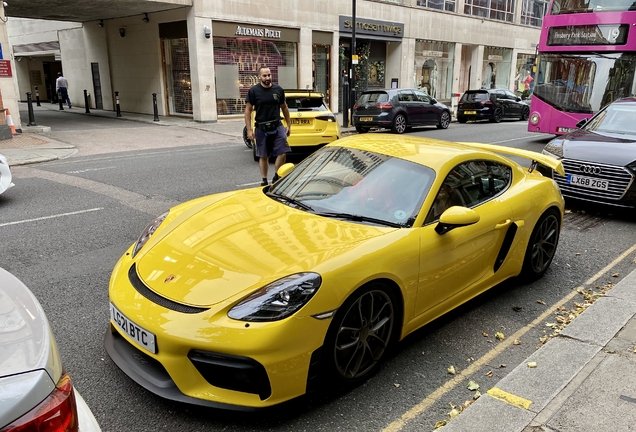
(176, 59)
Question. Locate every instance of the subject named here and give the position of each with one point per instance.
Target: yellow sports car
(249, 298)
(313, 123)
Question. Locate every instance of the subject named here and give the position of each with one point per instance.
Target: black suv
(398, 110)
(492, 104)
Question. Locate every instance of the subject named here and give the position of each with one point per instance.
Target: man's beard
(266, 83)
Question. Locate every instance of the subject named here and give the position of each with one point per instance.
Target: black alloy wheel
(399, 124)
(461, 119)
(444, 120)
(497, 116)
(361, 129)
(246, 140)
(525, 113)
(360, 334)
(542, 245)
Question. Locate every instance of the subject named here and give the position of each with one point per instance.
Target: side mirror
(285, 169)
(518, 99)
(581, 123)
(455, 217)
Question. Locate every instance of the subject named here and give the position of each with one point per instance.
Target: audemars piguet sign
(385, 29)
(257, 32)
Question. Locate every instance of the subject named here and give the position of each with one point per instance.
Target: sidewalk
(584, 379)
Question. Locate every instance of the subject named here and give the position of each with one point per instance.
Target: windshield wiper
(290, 201)
(360, 218)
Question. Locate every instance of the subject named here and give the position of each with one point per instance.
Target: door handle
(503, 224)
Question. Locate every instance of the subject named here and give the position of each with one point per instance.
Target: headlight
(534, 118)
(279, 299)
(554, 148)
(148, 232)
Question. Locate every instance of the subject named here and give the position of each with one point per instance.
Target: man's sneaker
(264, 183)
(276, 177)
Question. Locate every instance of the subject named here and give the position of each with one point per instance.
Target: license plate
(588, 182)
(301, 121)
(470, 112)
(366, 118)
(143, 337)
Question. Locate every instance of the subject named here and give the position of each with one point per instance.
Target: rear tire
(246, 140)
(497, 116)
(399, 124)
(362, 331)
(525, 113)
(542, 245)
(361, 129)
(444, 120)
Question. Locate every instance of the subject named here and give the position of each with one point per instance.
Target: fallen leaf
(472, 385)
(541, 302)
(577, 254)
(500, 336)
(635, 349)
(454, 413)
(517, 308)
(477, 395)
(561, 307)
(423, 353)
(560, 319)
(516, 342)
(396, 385)
(544, 339)
(616, 275)
(439, 424)
(489, 374)
(568, 211)
(484, 334)
(503, 365)
(532, 365)
(451, 370)
(470, 402)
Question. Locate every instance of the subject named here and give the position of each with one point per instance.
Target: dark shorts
(271, 145)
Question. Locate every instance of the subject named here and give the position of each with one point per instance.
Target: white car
(36, 393)
(5, 175)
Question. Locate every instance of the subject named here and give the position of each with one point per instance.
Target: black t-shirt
(266, 101)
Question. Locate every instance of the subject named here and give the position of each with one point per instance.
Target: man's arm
(248, 121)
(285, 110)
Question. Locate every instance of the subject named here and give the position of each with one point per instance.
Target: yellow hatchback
(313, 123)
(249, 298)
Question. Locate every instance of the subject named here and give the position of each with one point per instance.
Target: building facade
(200, 60)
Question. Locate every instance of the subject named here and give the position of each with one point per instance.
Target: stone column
(305, 79)
(201, 69)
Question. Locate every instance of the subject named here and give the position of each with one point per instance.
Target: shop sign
(372, 27)
(5, 68)
(432, 54)
(614, 34)
(495, 57)
(257, 32)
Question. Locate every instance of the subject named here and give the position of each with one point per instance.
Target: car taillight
(486, 102)
(57, 412)
(327, 117)
(384, 105)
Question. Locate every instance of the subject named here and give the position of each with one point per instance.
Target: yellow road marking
(515, 400)
(398, 424)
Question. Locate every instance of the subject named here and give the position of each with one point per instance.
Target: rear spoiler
(535, 157)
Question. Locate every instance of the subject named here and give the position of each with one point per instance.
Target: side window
(510, 95)
(470, 184)
(422, 97)
(501, 95)
(405, 96)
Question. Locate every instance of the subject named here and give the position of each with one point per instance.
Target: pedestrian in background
(267, 99)
(61, 87)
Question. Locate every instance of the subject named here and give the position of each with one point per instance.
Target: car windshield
(616, 118)
(474, 97)
(305, 103)
(373, 97)
(357, 185)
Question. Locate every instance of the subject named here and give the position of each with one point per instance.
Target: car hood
(606, 148)
(241, 243)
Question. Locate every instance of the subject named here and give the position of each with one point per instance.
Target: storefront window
(236, 62)
(497, 63)
(445, 5)
(523, 85)
(502, 10)
(434, 67)
(320, 69)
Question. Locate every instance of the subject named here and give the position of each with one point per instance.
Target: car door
(464, 256)
(408, 101)
(428, 110)
(515, 105)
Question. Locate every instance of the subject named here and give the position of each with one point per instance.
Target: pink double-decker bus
(586, 59)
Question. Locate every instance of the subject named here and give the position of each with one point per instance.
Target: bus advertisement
(586, 59)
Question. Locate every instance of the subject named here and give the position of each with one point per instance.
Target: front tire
(361, 129)
(362, 331)
(399, 124)
(542, 245)
(461, 119)
(444, 120)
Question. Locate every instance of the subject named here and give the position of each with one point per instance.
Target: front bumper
(262, 364)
